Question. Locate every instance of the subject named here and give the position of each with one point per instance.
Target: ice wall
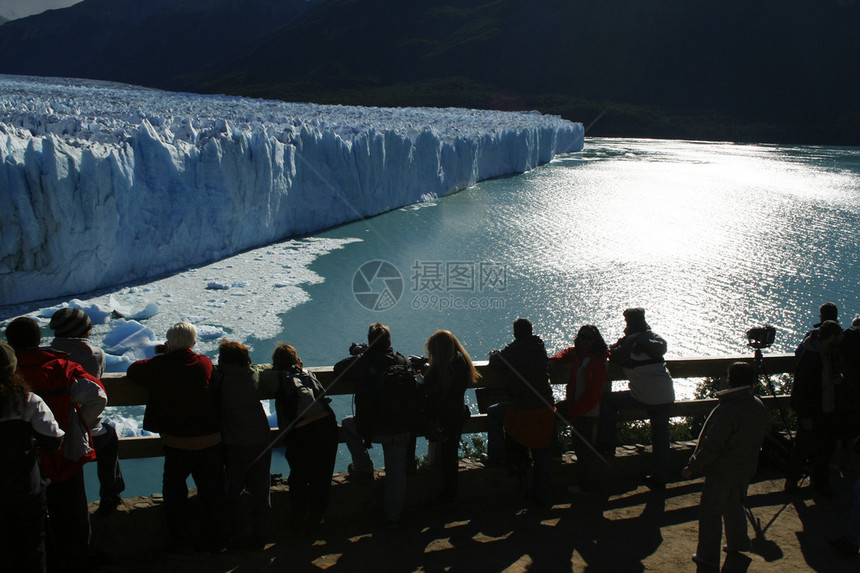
(105, 183)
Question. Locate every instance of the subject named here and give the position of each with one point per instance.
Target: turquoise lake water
(710, 238)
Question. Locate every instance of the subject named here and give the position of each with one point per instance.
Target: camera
(419, 363)
(356, 349)
(761, 336)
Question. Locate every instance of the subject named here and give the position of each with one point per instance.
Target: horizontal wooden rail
(123, 392)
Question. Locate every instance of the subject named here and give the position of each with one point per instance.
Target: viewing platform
(122, 392)
(492, 527)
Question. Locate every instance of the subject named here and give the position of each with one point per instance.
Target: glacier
(107, 184)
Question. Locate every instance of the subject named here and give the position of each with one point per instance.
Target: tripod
(760, 372)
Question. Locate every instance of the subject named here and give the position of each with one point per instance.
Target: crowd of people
(214, 428)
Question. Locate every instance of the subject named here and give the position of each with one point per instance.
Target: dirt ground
(493, 528)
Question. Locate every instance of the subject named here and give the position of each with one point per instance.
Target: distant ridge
(775, 70)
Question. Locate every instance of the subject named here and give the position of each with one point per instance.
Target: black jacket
(378, 408)
(806, 391)
(524, 362)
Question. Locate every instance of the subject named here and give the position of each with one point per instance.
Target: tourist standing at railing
(245, 432)
(183, 408)
(76, 399)
(382, 415)
(26, 427)
(72, 328)
(640, 353)
(727, 455)
(449, 373)
(529, 417)
(813, 397)
(584, 391)
(848, 397)
(827, 311)
(310, 439)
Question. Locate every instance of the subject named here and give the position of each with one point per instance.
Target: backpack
(299, 396)
(389, 403)
(849, 345)
(19, 461)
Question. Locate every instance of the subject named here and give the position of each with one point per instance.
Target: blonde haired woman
(450, 371)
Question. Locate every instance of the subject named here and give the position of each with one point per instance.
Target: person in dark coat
(813, 397)
(529, 416)
(26, 427)
(183, 408)
(376, 420)
(827, 311)
(245, 434)
(449, 373)
(311, 441)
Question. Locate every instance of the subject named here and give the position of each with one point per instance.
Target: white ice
(128, 323)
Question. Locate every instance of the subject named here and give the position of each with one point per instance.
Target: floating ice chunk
(120, 308)
(148, 311)
(115, 363)
(209, 332)
(125, 426)
(130, 339)
(97, 313)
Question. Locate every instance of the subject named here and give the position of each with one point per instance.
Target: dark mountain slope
(145, 42)
(778, 70)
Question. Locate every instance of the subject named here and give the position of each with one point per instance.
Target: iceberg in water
(103, 183)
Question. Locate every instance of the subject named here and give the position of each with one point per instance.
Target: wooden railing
(123, 392)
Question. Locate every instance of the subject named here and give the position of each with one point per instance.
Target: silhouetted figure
(640, 353)
(76, 400)
(26, 427)
(72, 328)
(245, 433)
(311, 441)
(529, 417)
(827, 311)
(381, 416)
(183, 408)
(727, 455)
(449, 373)
(583, 395)
(813, 397)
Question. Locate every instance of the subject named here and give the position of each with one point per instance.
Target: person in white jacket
(640, 353)
(72, 328)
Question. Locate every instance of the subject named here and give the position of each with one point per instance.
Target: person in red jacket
(588, 365)
(76, 400)
(183, 408)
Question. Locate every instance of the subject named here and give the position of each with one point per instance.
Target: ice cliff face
(103, 183)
